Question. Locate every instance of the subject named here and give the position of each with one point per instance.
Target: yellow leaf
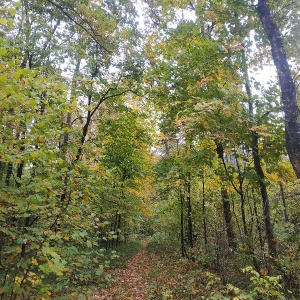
(34, 261)
(40, 139)
(18, 249)
(263, 272)
(18, 279)
(3, 21)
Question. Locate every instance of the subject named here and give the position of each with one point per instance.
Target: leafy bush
(263, 286)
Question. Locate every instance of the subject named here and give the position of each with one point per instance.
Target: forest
(149, 149)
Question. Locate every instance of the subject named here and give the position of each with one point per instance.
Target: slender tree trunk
(118, 229)
(234, 214)
(260, 236)
(84, 135)
(2, 235)
(69, 115)
(240, 191)
(189, 212)
(287, 85)
(265, 198)
(226, 206)
(244, 214)
(167, 147)
(181, 197)
(283, 202)
(204, 212)
(2, 169)
(258, 169)
(228, 219)
(26, 224)
(9, 172)
(88, 121)
(20, 168)
(182, 207)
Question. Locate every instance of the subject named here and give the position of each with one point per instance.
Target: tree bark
(181, 198)
(258, 226)
(204, 212)
(189, 212)
(258, 168)
(265, 197)
(287, 85)
(228, 219)
(286, 218)
(182, 243)
(244, 214)
(226, 205)
(9, 172)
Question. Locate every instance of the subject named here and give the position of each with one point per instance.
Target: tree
(287, 85)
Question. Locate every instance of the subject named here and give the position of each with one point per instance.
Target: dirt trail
(131, 283)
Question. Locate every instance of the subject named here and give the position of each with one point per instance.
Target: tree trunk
(226, 206)
(287, 86)
(242, 197)
(189, 215)
(204, 212)
(9, 172)
(261, 241)
(286, 218)
(181, 197)
(118, 229)
(2, 169)
(228, 219)
(189, 212)
(72, 96)
(258, 168)
(265, 198)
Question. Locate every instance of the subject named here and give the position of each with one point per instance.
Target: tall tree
(287, 84)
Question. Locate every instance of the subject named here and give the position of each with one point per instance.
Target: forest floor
(147, 273)
(130, 282)
(151, 275)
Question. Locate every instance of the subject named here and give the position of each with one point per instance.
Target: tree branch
(80, 25)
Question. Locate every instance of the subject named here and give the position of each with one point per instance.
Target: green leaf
(32, 102)
(3, 51)
(34, 154)
(12, 11)
(18, 249)
(3, 21)
(10, 22)
(50, 251)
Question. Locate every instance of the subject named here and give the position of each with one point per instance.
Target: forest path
(131, 282)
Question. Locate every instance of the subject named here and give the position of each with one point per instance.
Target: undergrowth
(176, 278)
